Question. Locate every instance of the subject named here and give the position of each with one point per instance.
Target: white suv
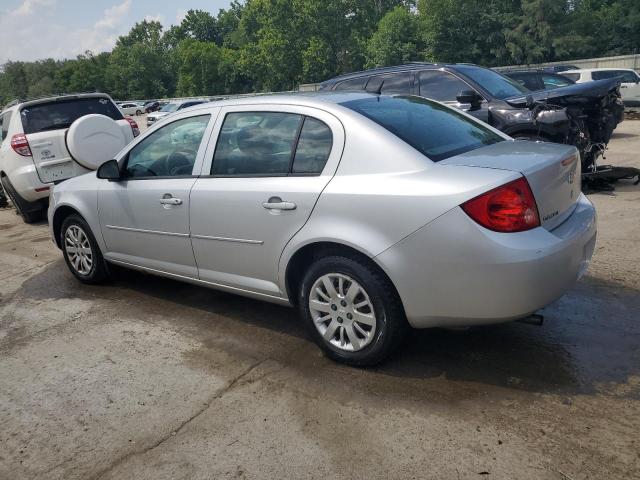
(630, 81)
(52, 139)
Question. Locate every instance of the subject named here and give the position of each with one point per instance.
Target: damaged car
(583, 115)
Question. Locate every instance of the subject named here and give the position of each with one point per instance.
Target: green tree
(397, 39)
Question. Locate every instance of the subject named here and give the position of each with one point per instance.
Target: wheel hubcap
(78, 247)
(342, 312)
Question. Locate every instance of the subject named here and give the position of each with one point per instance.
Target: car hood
(577, 93)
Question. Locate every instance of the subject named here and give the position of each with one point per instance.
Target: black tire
(30, 213)
(138, 112)
(98, 271)
(391, 323)
(4, 203)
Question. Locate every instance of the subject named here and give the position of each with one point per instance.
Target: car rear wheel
(351, 310)
(81, 251)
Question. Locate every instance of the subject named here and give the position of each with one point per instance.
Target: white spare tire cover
(94, 139)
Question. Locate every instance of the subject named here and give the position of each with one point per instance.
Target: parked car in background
(583, 115)
(536, 80)
(151, 106)
(170, 108)
(558, 68)
(629, 81)
(53, 139)
(130, 108)
(368, 212)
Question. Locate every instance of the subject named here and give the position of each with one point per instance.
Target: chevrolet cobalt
(369, 213)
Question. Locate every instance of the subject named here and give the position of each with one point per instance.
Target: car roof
(601, 69)
(322, 99)
(407, 67)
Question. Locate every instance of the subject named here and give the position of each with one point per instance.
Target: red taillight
(509, 208)
(134, 126)
(20, 145)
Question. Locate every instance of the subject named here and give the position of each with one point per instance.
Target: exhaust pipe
(535, 319)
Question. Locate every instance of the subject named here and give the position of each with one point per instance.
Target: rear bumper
(454, 272)
(25, 181)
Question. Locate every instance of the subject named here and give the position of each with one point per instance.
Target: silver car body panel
(376, 195)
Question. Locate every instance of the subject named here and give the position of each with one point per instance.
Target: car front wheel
(352, 311)
(81, 251)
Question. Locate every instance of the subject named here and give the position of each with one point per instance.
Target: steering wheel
(177, 160)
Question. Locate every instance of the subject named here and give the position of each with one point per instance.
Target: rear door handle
(170, 201)
(276, 203)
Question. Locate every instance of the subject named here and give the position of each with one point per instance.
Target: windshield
(497, 85)
(61, 114)
(169, 107)
(433, 129)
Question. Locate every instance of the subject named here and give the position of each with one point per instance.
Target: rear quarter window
(436, 131)
(61, 114)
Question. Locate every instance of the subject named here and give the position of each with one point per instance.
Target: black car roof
(393, 69)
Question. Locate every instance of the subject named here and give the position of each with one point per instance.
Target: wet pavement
(149, 378)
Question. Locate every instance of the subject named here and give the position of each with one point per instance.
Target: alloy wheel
(342, 312)
(78, 248)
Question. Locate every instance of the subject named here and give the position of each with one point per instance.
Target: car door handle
(275, 203)
(170, 201)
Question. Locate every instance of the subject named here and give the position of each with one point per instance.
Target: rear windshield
(61, 114)
(433, 129)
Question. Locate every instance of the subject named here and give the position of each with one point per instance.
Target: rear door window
(435, 130)
(441, 86)
(60, 115)
(400, 83)
(254, 144)
(314, 147)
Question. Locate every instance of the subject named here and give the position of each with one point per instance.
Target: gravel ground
(147, 378)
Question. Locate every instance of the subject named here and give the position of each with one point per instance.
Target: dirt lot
(149, 378)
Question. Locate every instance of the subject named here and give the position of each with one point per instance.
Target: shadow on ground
(588, 344)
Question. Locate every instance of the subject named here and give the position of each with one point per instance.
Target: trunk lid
(552, 170)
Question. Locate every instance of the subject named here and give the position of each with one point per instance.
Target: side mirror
(109, 170)
(471, 97)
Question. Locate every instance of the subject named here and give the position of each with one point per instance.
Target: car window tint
(629, 77)
(314, 146)
(256, 143)
(441, 86)
(435, 130)
(5, 119)
(555, 81)
(169, 151)
(59, 115)
(391, 84)
(527, 80)
(353, 84)
(571, 76)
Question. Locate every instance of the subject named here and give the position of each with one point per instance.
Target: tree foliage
(263, 45)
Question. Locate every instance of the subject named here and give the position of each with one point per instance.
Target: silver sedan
(369, 213)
